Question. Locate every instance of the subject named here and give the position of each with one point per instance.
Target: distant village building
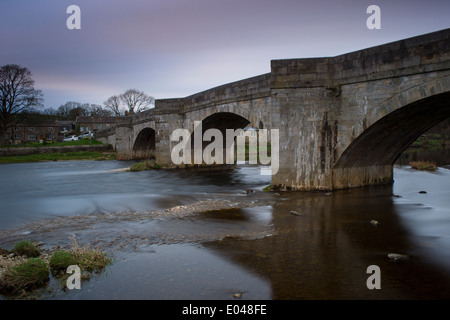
(32, 132)
(39, 131)
(87, 123)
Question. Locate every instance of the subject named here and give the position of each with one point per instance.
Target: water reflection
(324, 253)
(172, 272)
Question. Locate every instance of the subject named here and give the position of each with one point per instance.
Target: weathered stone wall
(107, 136)
(327, 103)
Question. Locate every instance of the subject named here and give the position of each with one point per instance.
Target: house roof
(37, 123)
(96, 119)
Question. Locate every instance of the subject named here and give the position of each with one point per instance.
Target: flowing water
(213, 233)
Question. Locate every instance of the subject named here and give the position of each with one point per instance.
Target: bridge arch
(221, 121)
(389, 129)
(145, 144)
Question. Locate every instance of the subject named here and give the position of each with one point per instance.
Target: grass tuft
(423, 165)
(27, 274)
(20, 274)
(61, 260)
(145, 165)
(26, 249)
(89, 259)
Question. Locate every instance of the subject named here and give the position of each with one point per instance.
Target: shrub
(61, 260)
(25, 275)
(423, 165)
(27, 249)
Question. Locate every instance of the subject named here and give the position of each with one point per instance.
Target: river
(213, 233)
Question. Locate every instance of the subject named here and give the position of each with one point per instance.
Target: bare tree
(17, 95)
(114, 105)
(94, 110)
(136, 101)
(71, 110)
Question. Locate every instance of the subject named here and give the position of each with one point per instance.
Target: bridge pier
(123, 138)
(344, 178)
(308, 137)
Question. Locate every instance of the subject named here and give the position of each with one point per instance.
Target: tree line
(20, 101)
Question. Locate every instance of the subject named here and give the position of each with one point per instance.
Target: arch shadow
(220, 121)
(145, 145)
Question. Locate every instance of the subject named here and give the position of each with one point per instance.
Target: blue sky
(175, 48)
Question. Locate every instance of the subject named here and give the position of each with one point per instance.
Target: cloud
(172, 48)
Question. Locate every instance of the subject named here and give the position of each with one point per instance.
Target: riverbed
(214, 234)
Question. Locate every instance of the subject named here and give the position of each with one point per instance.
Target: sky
(175, 48)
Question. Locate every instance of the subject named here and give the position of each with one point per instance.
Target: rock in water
(238, 295)
(397, 256)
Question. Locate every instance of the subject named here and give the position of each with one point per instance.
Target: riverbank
(60, 156)
(70, 150)
(24, 151)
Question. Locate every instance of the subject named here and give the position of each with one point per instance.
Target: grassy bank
(82, 142)
(80, 155)
(430, 141)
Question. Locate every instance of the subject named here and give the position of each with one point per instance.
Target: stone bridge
(342, 121)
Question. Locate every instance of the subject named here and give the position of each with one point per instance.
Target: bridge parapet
(426, 53)
(247, 89)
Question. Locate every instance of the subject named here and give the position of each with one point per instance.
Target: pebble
(374, 223)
